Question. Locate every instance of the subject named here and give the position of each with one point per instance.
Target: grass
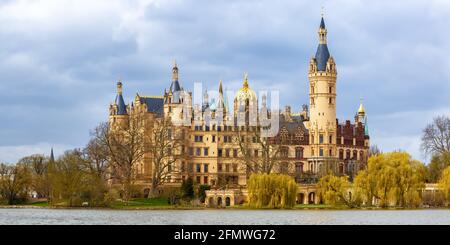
(312, 206)
(142, 203)
(39, 204)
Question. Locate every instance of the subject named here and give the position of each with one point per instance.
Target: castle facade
(309, 143)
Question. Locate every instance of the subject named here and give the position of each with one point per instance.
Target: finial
(119, 86)
(322, 11)
(174, 63)
(246, 80)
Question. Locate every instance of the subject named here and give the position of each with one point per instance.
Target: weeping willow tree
(444, 184)
(337, 191)
(271, 191)
(392, 179)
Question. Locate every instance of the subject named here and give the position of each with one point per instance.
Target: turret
(361, 112)
(322, 80)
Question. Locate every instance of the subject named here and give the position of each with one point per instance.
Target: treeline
(70, 180)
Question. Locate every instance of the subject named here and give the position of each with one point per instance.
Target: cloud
(59, 59)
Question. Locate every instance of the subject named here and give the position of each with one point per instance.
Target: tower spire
(220, 87)
(245, 85)
(322, 53)
(52, 156)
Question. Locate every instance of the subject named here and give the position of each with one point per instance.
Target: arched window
(348, 155)
(341, 154)
(361, 155)
(355, 155)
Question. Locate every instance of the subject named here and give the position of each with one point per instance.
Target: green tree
(202, 192)
(72, 183)
(67, 179)
(271, 191)
(444, 184)
(187, 188)
(391, 179)
(337, 191)
(15, 183)
(438, 163)
(38, 167)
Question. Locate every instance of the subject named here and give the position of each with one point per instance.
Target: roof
(175, 86)
(292, 126)
(154, 104)
(121, 107)
(322, 23)
(322, 56)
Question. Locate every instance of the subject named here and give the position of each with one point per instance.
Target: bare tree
(125, 142)
(96, 154)
(268, 150)
(436, 136)
(165, 150)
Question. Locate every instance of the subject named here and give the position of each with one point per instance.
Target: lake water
(222, 217)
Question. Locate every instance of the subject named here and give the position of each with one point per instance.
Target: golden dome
(361, 108)
(245, 92)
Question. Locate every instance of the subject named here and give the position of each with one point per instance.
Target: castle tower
(118, 112)
(322, 124)
(176, 100)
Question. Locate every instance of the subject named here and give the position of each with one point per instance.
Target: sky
(60, 61)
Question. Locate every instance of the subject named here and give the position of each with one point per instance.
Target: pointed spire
(322, 53)
(322, 22)
(366, 126)
(52, 156)
(220, 87)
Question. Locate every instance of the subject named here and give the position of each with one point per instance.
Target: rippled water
(209, 217)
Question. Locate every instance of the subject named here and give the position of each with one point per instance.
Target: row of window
(321, 139)
(226, 138)
(284, 152)
(198, 167)
(221, 128)
(330, 89)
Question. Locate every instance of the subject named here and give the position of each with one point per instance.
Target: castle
(310, 142)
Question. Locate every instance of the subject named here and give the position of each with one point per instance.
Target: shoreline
(205, 208)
